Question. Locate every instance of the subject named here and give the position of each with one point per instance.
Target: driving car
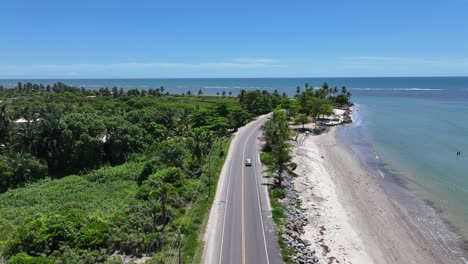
(248, 162)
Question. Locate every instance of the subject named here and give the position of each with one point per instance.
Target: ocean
(413, 126)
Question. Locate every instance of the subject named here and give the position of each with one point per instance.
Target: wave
(237, 87)
(217, 87)
(396, 89)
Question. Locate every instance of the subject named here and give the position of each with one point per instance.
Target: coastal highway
(240, 229)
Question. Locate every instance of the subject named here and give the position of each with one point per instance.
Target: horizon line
(201, 78)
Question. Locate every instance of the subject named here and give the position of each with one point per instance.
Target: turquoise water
(282, 84)
(417, 136)
(415, 125)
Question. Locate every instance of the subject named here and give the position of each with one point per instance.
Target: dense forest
(91, 176)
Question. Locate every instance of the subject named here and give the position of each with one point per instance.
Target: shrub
(278, 193)
(18, 169)
(129, 171)
(93, 235)
(23, 258)
(47, 232)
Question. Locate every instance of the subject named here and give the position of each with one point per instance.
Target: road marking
(225, 211)
(261, 215)
(258, 197)
(242, 198)
(381, 173)
(242, 195)
(242, 205)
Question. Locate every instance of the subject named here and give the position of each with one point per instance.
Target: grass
(94, 199)
(278, 210)
(193, 244)
(278, 213)
(102, 194)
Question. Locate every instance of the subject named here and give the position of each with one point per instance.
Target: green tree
(51, 139)
(276, 132)
(25, 138)
(318, 106)
(201, 142)
(5, 123)
(86, 134)
(282, 161)
(275, 129)
(23, 258)
(171, 153)
(122, 139)
(301, 119)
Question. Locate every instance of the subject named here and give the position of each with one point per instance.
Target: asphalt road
(244, 230)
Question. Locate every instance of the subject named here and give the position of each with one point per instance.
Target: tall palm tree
(51, 138)
(335, 90)
(186, 120)
(282, 161)
(164, 196)
(202, 142)
(26, 138)
(5, 123)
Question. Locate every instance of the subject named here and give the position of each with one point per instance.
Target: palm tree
(275, 129)
(298, 90)
(202, 142)
(335, 91)
(163, 195)
(241, 96)
(163, 190)
(52, 138)
(26, 138)
(185, 120)
(301, 119)
(5, 123)
(282, 161)
(344, 90)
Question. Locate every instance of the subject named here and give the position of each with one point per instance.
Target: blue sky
(170, 39)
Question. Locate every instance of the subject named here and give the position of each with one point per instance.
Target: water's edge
(422, 213)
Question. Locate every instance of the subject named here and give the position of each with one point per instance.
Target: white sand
(351, 220)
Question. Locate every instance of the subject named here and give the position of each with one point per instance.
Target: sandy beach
(351, 219)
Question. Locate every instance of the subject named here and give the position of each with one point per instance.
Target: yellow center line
(242, 194)
(243, 224)
(242, 203)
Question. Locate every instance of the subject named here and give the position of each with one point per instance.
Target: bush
(266, 159)
(47, 233)
(278, 194)
(93, 235)
(23, 258)
(128, 172)
(18, 169)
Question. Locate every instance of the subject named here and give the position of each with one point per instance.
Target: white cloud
(135, 68)
(407, 60)
(255, 60)
(235, 63)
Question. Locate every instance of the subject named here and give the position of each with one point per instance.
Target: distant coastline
(213, 85)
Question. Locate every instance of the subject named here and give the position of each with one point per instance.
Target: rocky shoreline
(294, 226)
(296, 219)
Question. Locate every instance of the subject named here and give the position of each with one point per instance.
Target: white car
(248, 162)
